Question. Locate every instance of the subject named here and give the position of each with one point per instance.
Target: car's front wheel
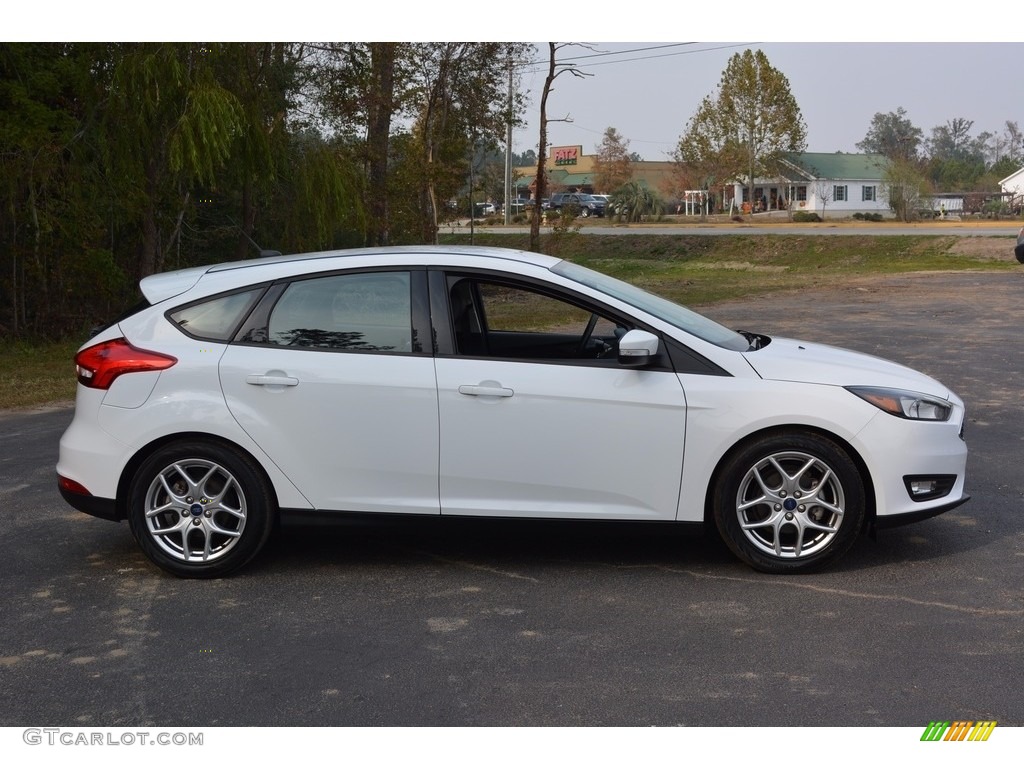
(790, 502)
(199, 509)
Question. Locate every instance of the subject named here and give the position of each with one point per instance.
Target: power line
(635, 58)
(603, 54)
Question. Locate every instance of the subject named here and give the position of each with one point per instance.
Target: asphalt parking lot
(449, 623)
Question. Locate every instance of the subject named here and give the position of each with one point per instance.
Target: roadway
(442, 623)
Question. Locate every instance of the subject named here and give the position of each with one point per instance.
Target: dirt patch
(993, 248)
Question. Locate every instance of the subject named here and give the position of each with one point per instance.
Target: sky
(649, 91)
(845, 62)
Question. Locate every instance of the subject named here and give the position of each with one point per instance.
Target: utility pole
(508, 148)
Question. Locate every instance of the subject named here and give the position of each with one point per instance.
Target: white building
(829, 184)
(1013, 188)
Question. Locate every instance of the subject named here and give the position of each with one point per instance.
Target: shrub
(803, 216)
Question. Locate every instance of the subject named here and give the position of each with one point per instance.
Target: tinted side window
(368, 312)
(500, 320)
(215, 319)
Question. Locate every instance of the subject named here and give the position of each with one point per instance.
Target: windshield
(672, 313)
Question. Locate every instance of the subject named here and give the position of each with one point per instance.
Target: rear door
(331, 378)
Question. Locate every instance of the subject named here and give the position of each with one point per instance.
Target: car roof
(165, 285)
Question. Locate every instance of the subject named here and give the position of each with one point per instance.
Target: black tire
(199, 509)
(585, 213)
(790, 502)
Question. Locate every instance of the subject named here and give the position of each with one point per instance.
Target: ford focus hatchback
(445, 381)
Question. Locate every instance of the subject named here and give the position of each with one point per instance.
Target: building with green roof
(568, 169)
(835, 184)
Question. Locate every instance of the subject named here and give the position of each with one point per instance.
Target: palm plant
(633, 201)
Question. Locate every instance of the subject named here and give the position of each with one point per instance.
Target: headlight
(906, 405)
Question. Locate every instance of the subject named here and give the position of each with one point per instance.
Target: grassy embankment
(693, 270)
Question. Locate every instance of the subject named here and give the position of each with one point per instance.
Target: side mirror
(637, 348)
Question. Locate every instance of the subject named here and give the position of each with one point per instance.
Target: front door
(539, 420)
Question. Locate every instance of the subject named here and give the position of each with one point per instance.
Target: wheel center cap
(196, 510)
(789, 504)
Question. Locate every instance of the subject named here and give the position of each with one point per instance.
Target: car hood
(806, 362)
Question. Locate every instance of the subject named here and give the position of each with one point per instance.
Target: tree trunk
(243, 249)
(540, 185)
(381, 106)
(150, 244)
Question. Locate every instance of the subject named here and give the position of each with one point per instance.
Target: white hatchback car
(487, 383)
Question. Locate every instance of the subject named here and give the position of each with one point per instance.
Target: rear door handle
(266, 379)
(485, 390)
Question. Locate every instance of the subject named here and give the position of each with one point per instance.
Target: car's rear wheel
(790, 502)
(199, 509)
(585, 213)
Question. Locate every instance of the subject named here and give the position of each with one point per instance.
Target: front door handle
(485, 389)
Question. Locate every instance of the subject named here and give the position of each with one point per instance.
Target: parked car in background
(484, 209)
(588, 205)
(446, 381)
(1019, 250)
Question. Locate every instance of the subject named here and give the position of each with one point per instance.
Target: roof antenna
(255, 245)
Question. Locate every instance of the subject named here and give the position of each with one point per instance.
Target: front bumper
(894, 521)
(895, 449)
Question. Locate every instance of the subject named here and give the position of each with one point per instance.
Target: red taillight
(98, 366)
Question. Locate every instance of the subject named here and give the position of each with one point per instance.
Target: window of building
(839, 193)
(801, 193)
(867, 193)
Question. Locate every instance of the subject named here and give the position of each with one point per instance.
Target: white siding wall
(854, 193)
(1014, 183)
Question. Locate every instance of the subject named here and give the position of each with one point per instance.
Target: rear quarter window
(218, 318)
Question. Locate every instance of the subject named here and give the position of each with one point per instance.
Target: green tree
(55, 257)
(746, 127)
(264, 77)
(953, 141)
(903, 186)
(1013, 141)
(457, 93)
(612, 165)
(526, 158)
(893, 135)
(170, 125)
(956, 159)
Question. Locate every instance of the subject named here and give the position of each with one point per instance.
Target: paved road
(996, 229)
(551, 624)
